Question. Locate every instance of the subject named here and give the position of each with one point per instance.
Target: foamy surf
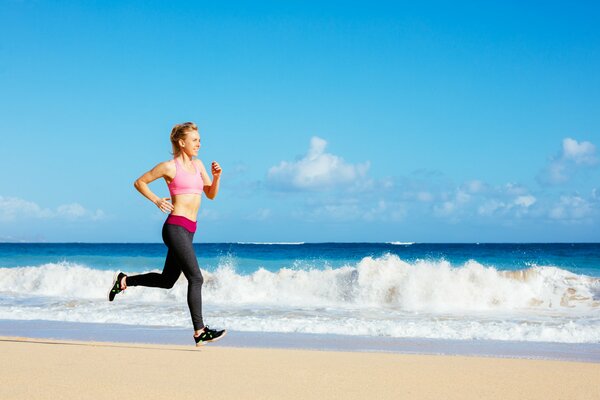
(382, 296)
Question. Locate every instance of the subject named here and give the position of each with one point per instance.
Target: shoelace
(207, 331)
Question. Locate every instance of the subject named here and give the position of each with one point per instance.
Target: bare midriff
(186, 205)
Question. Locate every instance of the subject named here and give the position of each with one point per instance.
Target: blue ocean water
(579, 258)
(512, 292)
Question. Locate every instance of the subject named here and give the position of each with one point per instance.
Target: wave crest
(384, 282)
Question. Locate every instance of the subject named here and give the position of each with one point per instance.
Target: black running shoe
(116, 286)
(209, 335)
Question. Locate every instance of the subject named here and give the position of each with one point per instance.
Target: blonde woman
(186, 178)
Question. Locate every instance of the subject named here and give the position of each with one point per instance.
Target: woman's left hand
(216, 169)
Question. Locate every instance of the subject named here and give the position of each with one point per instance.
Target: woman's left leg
(180, 244)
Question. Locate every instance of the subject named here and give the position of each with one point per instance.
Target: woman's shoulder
(199, 162)
(168, 165)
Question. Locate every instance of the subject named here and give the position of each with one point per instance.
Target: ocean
(500, 292)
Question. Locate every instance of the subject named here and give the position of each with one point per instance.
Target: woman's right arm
(141, 184)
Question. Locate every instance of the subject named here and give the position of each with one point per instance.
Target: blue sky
(333, 121)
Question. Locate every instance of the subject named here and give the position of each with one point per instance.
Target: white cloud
(462, 197)
(452, 203)
(476, 197)
(12, 208)
(345, 209)
(424, 197)
(513, 189)
(207, 214)
(490, 207)
(261, 214)
(525, 201)
(71, 210)
(77, 211)
(387, 183)
(444, 209)
(348, 208)
(317, 170)
(580, 153)
(378, 210)
(571, 208)
(574, 155)
(475, 186)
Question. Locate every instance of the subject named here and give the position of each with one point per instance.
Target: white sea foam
(383, 296)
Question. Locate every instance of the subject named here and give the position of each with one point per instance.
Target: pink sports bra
(184, 182)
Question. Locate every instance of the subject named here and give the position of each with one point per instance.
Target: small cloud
(452, 203)
(474, 186)
(444, 209)
(387, 183)
(77, 211)
(12, 208)
(514, 189)
(462, 197)
(71, 210)
(571, 208)
(351, 209)
(261, 214)
(580, 153)
(525, 201)
(317, 170)
(424, 197)
(573, 156)
(519, 206)
(208, 215)
(490, 207)
(377, 211)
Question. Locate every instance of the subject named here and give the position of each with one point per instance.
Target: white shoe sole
(113, 284)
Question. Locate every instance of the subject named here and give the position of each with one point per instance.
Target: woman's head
(180, 133)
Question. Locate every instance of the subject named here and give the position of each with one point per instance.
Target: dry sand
(49, 369)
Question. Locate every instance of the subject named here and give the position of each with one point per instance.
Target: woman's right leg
(165, 280)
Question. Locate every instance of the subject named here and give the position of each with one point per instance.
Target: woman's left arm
(211, 189)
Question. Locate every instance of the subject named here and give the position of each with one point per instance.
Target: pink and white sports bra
(184, 182)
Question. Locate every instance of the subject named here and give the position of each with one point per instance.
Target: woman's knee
(168, 282)
(196, 279)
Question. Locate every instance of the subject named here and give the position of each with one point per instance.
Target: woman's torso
(184, 203)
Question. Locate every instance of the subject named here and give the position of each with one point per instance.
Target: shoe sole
(200, 344)
(113, 285)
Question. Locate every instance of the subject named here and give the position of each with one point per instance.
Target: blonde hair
(179, 131)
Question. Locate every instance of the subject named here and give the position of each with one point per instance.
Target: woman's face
(190, 144)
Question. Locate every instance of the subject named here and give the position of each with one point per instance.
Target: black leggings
(180, 258)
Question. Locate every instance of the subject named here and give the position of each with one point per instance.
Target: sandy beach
(53, 369)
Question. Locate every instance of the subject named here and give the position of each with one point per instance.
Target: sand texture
(49, 369)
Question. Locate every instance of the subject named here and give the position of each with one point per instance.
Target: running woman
(186, 178)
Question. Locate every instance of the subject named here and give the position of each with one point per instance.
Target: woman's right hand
(164, 205)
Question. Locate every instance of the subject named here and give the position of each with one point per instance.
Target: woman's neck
(184, 158)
